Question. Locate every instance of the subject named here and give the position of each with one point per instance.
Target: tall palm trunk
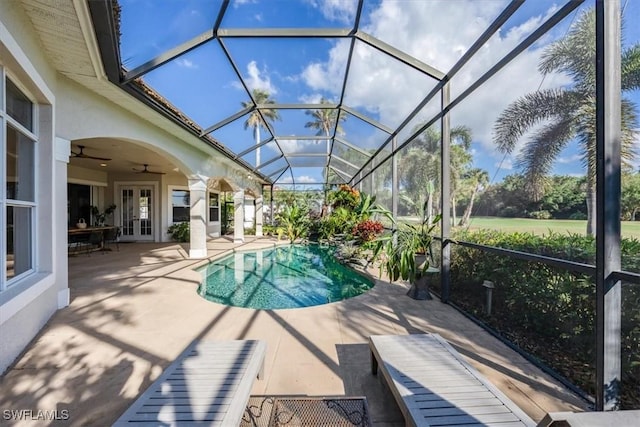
(453, 210)
(256, 135)
(467, 212)
(591, 208)
(429, 213)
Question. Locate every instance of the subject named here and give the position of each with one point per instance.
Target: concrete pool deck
(133, 311)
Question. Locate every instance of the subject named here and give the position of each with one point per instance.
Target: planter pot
(420, 289)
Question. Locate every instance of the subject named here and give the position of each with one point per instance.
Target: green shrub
(546, 310)
(540, 214)
(179, 231)
(578, 215)
(294, 220)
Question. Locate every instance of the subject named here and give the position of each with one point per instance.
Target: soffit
(59, 26)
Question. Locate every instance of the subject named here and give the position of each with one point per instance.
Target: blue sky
(206, 87)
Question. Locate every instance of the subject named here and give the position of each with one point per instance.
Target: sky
(204, 85)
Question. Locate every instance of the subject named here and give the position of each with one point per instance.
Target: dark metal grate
(306, 411)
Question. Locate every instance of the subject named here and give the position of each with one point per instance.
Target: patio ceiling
(314, 65)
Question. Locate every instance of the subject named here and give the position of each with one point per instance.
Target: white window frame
(171, 188)
(209, 207)
(7, 121)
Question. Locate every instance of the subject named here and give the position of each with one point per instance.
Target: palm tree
(324, 120)
(568, 113)
(477, 179)
(255, 119)
(421, 166)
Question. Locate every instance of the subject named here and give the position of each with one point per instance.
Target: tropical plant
(294, 219)
(325, 121)
(344, 196)
(569, 113)
(100, 217)
(421, 166)
(367, 230)
(257, 118)
(180, 231)
(399, 248)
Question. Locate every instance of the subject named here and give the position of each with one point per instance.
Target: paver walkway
(133, 312)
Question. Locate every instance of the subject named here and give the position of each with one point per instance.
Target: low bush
(546, 310)
(179, 231)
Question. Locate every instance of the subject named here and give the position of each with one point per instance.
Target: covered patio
(133, 311)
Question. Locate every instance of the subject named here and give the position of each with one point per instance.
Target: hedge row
(547, 311)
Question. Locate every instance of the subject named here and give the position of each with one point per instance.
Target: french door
(136, 215)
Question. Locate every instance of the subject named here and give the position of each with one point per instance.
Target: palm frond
(530, 110)
(255, 119)
(630, 63)
(629, 127)
(575, 53)
(538, 155)
(462, 135)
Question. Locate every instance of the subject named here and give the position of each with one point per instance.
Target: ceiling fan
(146, 170)
(81, 155)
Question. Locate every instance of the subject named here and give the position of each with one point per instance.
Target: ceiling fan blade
(146, 170)
(81, 155)
(106, 159)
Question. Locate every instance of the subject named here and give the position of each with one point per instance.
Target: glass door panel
(137, 213)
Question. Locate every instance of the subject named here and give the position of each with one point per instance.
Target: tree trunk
(591, 209)
(429, 213)
(453, 210)
(467, 212)
(256, 134)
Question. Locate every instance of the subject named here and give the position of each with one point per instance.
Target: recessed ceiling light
(103, 165)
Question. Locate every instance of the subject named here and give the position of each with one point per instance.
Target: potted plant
(100, 217)
(407, 254)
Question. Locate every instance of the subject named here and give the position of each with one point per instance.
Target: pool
(291, 276)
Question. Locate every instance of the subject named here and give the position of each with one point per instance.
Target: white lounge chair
(434, 386)
(629, 418)
(207, 385)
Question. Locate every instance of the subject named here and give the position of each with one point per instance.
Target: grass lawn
(630, 229)
(544, 226)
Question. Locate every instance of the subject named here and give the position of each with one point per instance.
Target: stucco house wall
(69, 111)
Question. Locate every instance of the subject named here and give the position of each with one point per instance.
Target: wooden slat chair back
(434, 386)
(207, 385)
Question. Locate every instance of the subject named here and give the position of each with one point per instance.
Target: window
(214, 207)
(180, 203)
(18, 200)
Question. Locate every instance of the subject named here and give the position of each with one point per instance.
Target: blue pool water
(290, 276)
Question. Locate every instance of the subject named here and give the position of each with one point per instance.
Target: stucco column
(259, 215)
(62, 148)
(198, 215)
(238, 217)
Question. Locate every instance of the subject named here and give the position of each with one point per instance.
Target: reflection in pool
(290, 276)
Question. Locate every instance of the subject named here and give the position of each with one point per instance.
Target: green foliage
(345, 196)
(340, 221)
(398, 249)
(540, 214)
(99, 218)
(294, 219)
(552, 118)
(548, 311)
(268, 230)
(348, 213)
(630, 202)
(561, 196)
(179, 231)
